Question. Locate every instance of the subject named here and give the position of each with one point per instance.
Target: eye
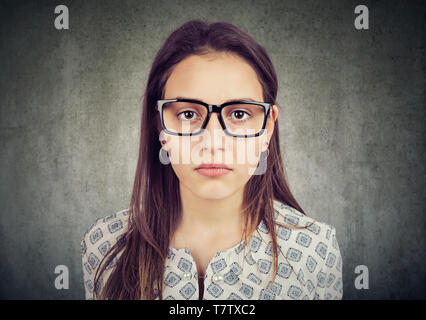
(239, 115)
(188, 114)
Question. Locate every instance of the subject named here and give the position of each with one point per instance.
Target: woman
(203, 221)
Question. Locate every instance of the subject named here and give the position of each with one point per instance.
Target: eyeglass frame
(218, 109)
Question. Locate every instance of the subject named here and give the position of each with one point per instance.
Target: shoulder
(289, 216)
(104, 230)
(313, 250)
(99, 238)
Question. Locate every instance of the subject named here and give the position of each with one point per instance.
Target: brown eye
(188, 115)
(239, 115)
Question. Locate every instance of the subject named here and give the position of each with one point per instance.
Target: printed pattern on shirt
(96, 242)
(309, 262)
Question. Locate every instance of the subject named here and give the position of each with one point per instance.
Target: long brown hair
(155, 205)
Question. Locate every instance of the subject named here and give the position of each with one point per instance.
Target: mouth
(213, 170)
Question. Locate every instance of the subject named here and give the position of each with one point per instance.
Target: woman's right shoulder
(104, 232)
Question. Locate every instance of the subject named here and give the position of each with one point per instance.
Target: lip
(212, 165)
(213, 170)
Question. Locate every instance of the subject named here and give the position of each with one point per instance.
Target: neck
(211, 214)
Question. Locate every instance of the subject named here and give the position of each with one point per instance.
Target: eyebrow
(231, 100)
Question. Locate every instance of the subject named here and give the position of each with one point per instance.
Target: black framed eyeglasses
(238, 118)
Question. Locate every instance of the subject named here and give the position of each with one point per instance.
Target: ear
(274, 113)
(163, 139)
(158, 124)
(270, 125)
(270, 122)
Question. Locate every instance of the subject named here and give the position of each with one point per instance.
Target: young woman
(211, 214)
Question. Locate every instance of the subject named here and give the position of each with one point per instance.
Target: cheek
(178, 151)
(247, 152)
(183, 172)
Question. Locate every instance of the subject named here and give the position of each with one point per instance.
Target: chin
(214, 196)
(213, 191)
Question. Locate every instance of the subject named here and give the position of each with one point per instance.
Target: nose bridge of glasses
(214, 126)
(214, 109)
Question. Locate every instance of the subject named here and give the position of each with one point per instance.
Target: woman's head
(213, 63)
(215, 78)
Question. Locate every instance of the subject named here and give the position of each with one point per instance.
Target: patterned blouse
(311, 268)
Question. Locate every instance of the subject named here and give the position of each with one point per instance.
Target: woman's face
(215, 79)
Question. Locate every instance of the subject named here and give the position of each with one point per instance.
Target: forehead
(213, 78)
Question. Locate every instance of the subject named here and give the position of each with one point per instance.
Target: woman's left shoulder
(287, 215)
(312, 248)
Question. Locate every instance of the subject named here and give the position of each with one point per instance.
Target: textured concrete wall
(352, 127)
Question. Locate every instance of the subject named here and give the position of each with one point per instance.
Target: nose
(213, 122)
(214, 133)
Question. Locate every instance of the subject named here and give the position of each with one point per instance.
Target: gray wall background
(352, 127)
